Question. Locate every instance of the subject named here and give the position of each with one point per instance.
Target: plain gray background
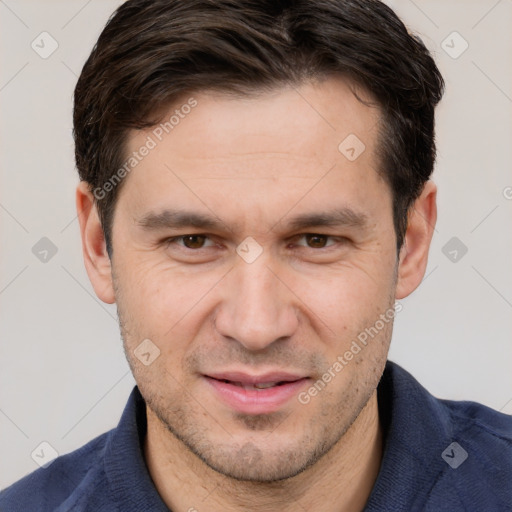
(63, 375)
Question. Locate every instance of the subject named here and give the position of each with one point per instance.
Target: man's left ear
(414, 252)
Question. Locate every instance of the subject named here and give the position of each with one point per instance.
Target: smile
(252, 396)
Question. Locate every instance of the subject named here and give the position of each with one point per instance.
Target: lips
(255, 394)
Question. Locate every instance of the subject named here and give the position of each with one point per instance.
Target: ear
(414, 252)
(94, 249)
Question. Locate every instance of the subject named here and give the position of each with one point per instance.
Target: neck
(340, 481)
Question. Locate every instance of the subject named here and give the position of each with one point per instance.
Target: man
(255, 198)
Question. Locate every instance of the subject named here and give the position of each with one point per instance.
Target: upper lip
(247, 379)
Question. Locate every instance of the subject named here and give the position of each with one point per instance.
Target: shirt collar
(131, 486)
(416, 429)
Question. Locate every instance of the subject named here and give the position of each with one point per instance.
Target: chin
(259, 461)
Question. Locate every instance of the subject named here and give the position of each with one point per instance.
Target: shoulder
(478, 460)
(477, 457)
(490, 424)
(458, 453)
(67, 479)
(485, 432)
(474, 421)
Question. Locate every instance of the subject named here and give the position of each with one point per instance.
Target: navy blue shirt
(439, 455)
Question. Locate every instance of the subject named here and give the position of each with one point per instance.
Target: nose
(257, 308)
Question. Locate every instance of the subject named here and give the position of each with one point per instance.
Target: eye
(316, 241)
(195, 241)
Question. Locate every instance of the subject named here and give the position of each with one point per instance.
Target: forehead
(307, 119)
(292, 137)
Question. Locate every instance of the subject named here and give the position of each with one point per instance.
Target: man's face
(287, 305)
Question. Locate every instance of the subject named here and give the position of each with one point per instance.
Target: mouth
(262, 394)
(257, 385)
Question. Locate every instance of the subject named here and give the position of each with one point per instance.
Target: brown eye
(193, 241)
(316, 241)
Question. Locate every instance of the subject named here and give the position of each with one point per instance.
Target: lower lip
(252, 401)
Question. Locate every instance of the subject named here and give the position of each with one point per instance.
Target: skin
(255, 164)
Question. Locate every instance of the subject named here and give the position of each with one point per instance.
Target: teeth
(258, 385)
(264, 385)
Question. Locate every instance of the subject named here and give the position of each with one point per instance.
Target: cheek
(162, 303)
(345, 299)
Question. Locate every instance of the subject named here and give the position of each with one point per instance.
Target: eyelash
(339, 239)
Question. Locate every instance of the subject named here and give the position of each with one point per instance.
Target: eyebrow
(337, 218)
(178, 219)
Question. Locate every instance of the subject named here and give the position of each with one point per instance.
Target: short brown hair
(152, 52)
